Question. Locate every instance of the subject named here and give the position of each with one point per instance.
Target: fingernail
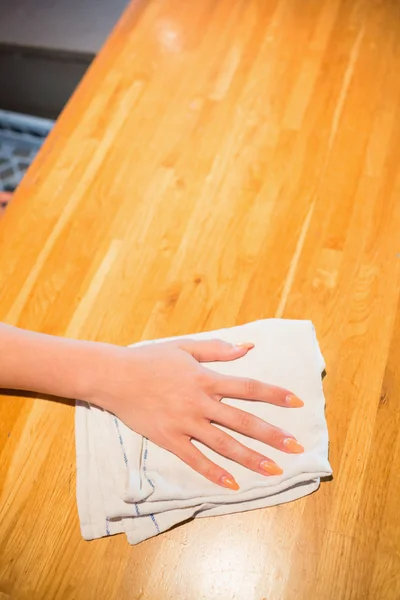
(229, 482)
(271, 467)
(247, 345)
(293, 401)
(293, 446)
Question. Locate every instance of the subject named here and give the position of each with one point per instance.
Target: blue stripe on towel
(108, 532)
(121, 441)
(145, 463)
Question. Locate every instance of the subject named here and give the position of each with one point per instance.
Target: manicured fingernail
(247, 345)
(229, 482)
(270, 467)
(293, 401)
(293, 446)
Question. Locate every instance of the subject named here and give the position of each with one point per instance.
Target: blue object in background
(21, 137)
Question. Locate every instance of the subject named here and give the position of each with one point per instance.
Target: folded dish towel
(127, 484)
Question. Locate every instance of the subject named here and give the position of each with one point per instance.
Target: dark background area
(46, 47)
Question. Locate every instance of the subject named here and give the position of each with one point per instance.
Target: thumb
(214, 350)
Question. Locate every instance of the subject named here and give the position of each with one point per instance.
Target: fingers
(215, 350)
(248, 424)
(251, 389)
(227, 446)
(197, 461)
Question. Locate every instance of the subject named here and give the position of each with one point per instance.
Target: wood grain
(222, 161)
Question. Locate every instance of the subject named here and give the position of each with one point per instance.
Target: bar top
(221, 162)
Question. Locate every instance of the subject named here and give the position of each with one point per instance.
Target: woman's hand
(159, 390)
(164, 393)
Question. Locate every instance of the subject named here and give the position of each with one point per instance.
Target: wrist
(93, 371)
(105, 372)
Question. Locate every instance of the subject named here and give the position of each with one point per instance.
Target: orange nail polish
(271, 467)
(247, 345)
(293, 446)
(293, 401)
(229, 482)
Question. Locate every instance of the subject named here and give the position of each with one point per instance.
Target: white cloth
(125, 483)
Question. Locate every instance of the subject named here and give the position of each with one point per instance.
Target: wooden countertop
(222, 161)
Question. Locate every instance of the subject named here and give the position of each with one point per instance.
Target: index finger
(245, 388)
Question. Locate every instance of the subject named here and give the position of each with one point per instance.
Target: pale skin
(161, 391)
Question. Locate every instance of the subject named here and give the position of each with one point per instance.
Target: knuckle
(177, 446)
(185, 452)
(219, 346)
(248, 459)
(214, 386)
(186, 423)
(251, 387)
(203, 378)
(211, 471)
(222, 443)
(275, 437)
(190, 460)
(208, 382)
(245, 420)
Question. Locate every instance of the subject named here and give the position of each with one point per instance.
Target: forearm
(44, 363)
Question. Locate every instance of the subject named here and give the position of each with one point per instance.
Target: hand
(164, 393)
